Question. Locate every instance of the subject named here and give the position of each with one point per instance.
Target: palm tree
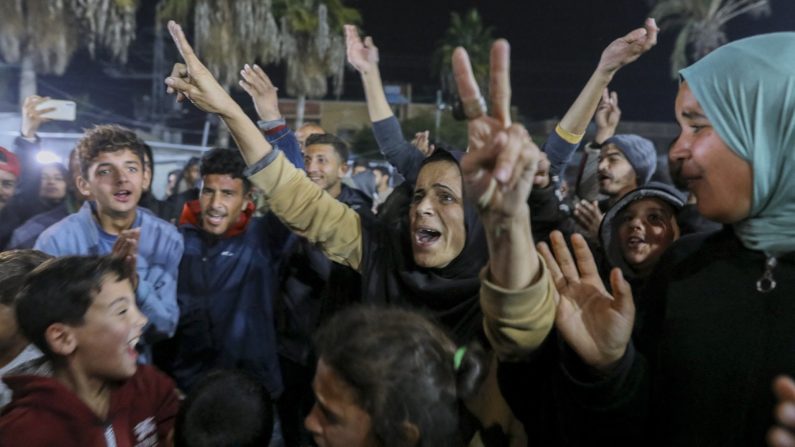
(42, 35)
(466, 31)
(228, 34)
(701, 25)
(309, 39)
(313, 47)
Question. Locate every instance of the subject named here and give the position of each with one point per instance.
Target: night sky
(555, 47)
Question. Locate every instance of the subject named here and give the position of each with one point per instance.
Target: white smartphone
(64, 110)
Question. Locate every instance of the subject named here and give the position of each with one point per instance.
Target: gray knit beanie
(639, 152)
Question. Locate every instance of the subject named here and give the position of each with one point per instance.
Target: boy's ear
(83, 186)
(61, 339)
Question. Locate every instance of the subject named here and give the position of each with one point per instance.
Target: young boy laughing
(81, 313)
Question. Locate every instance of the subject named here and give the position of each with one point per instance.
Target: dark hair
(225, 409)
(151, 165)
(107, 138)
(401, 368)
(193, 161)
(383, 170)
(326, 138)
(60, 291)
(14, 267)
(224, 161)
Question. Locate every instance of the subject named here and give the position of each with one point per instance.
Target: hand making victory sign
(502, 158)
(498, 170)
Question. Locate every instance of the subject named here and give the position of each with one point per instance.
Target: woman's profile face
(438, 232)
(337, 420)
(721, 181)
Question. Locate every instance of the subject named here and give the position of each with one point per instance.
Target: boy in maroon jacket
(81, 313)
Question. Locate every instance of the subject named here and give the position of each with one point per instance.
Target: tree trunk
(299, 111)
(27, 78)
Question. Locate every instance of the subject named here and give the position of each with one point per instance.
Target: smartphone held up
(61, 110)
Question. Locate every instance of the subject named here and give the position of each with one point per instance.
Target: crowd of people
(450, 297)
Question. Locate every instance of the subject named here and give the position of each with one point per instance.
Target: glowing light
(47, 157)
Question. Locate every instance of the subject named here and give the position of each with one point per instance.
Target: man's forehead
(319, 149)
(611, 149)
(222, 181)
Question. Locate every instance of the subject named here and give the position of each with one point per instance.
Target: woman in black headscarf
(431, 264)
(431, 260)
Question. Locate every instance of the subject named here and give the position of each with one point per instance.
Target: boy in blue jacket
(112, 174)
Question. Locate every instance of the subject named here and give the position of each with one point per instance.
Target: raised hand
(607, 116)
(192, 80)
(595, 324)
(502, 158)
(422, 142)
(589, 216)
(362, 55)
(783, 434)
(627, 49)
(265, 96)
(32, 117)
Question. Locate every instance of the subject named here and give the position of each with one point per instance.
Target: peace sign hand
(194, 81)
(502, 159)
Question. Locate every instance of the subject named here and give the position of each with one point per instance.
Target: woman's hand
(192, 80)
(502, 159)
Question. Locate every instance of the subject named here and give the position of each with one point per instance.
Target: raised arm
(404, 156)
(192, 80)
(620, 52)
(363, 56)
(499, 170)
(266, 101)
(300, 204)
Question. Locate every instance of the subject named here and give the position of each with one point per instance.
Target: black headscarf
(448, 295)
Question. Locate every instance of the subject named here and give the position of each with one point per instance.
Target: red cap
(9, 162)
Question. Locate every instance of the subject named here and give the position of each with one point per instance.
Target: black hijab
(448, 295)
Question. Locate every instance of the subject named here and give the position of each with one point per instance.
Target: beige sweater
(515, 321)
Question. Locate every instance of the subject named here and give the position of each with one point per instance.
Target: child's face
(112, 326)
(336, 419)
(115, 181)
(646, 228)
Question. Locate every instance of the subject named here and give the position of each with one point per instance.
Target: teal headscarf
(747, 91)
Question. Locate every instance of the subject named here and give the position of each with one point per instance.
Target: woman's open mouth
(425, 237)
